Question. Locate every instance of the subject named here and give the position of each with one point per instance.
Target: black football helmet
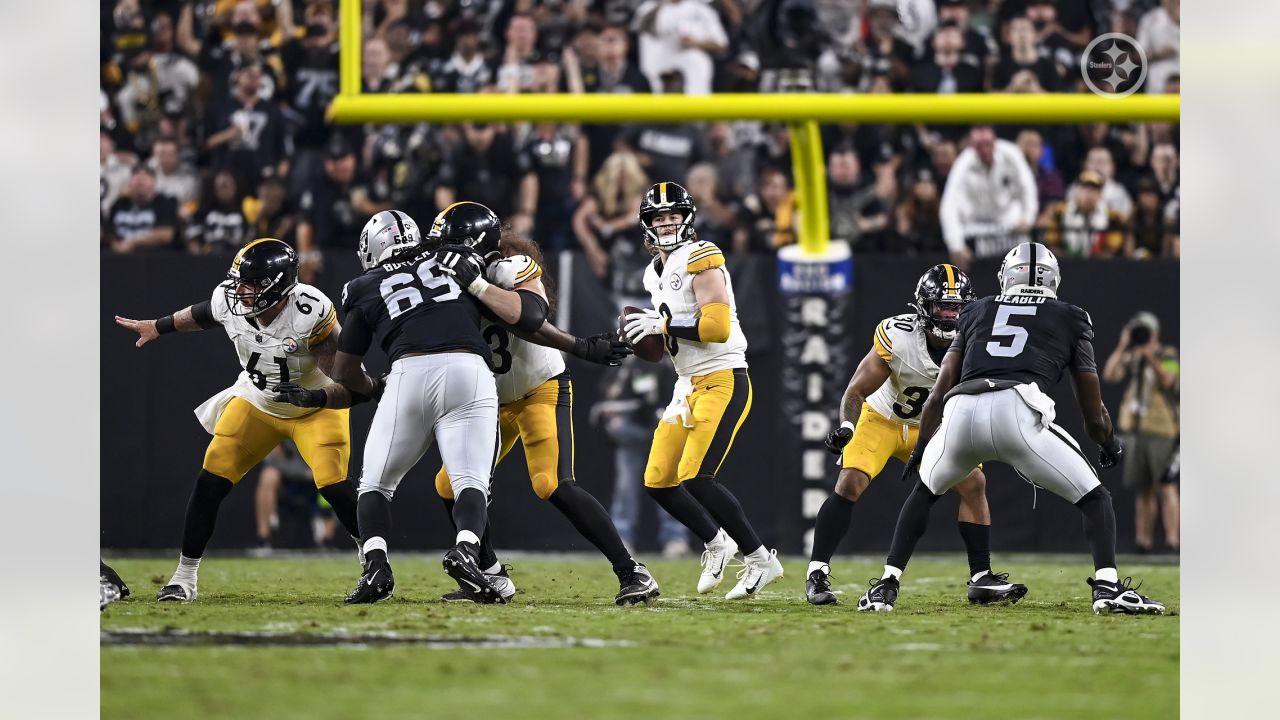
(663, 198)
(263, 274)
(467, 224)
(942, 285)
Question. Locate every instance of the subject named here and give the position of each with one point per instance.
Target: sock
(1100, 526)
(977, 543)
(375, 551)
(892, 572)
(758, 556)
(680, 505)
(470, 515)
(188, 567)
(493, 569)
(468, 537)
(341, 496)
(832, 524)
(974, 577)
(818, 565)
(374, 511)
(592, 522)
(912, 522)
(488, 556)
(202, 512)
(1108, 574)
(724, 508)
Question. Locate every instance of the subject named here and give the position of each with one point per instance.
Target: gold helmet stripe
(235, 264)
(951, 279)
(662, 193)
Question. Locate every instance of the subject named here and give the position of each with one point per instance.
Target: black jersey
(1024, 339)
(411, 307)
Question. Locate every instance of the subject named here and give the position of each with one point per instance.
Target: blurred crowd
(213, 125)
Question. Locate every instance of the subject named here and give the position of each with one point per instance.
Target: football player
(695, 313)
(890, 386)
(440, 387)
(535, 394)
(284, 331)
(1009, 350)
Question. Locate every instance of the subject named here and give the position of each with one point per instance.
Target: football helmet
(262, 274)
(942, 285)
(664, 198)
(470, 225)
(389, 234)
(1030, 268)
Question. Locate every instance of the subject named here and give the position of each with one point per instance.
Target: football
(650, 347)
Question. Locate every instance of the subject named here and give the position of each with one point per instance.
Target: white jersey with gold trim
(671, 287)
(900, 341)
(519, 366)
(278, 352)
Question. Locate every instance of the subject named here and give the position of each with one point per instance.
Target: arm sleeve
(711, 325)
(202, 313)
(356, 335)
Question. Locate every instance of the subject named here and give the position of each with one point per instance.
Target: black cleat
(636, 586)
(376, 584)
(995, 588)
(1122, 597)
(107, 575)
(818, 588)
(880, 597)
(462, 567)
(501, 581)
(176, 593)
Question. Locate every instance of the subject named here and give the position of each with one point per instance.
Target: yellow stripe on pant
(245, 435)
(719, 403)
(543, 422)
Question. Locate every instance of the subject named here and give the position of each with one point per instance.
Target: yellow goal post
(804, 111)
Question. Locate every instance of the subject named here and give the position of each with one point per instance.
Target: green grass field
(688, 656)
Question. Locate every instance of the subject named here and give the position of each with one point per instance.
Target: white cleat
(714, 560)
(756, 575)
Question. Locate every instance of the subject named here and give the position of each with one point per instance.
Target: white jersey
(519, 366)
(900, 341)
(671, 287)
(279, 352)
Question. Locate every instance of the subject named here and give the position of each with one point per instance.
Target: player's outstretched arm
(605, 348)
(188, 319)
(871, 373)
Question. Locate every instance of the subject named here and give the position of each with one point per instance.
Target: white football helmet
(1030, 268)
(387, 235)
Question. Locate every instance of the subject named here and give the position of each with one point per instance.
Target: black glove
(463, 265)
(603, 349)
(379, 384)
(838, 438)
(1110, 453)
(295, 394)
(913, 464)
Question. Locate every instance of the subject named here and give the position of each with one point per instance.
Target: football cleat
(756, 575)
(176, 593)
(714, 559)
(1122, 597)
(107, 594)
(375, 585)
(500, 581)
(462, 567)
(108, 575)
(995, 588)
(880, 597)
(636, 586)
(818, 588)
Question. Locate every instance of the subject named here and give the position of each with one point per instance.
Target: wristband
(847, 424)
(478, 286)
(165, 325)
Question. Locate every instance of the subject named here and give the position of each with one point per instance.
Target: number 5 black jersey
(410, 307)
(1023, 338)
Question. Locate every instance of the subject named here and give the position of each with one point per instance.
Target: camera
(1139, 335)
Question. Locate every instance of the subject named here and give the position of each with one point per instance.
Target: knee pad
(464, 483)
(544, 484)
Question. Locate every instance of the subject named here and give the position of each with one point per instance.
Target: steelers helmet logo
(675, 282)
(290, 345)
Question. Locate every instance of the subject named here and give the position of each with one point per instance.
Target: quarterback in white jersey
(695, 313)
(285, 333)
(880, 418)
(535, 407)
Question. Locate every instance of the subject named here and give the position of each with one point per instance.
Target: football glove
(1109, 454)
(913, 464)
(295, 394)
(603, 349)
(466, 269)
(645, 322)
(838, 438)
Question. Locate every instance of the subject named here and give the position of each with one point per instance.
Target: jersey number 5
(1003, 328)
(400, 295)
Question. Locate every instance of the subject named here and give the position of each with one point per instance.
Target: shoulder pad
(511, 272)
(703, 256)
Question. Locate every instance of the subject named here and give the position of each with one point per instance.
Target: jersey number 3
(499, 343)
(1003, 329)
(400, 294)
